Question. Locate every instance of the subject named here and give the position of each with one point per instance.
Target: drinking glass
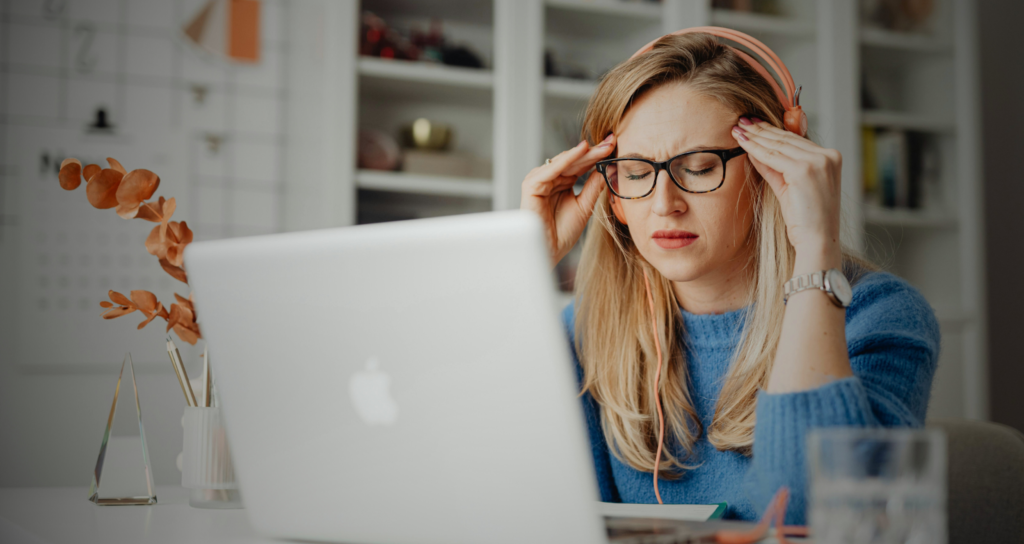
(877, 486)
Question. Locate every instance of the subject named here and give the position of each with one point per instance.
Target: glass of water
(877, 486)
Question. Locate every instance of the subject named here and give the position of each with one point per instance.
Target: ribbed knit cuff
(783, 419)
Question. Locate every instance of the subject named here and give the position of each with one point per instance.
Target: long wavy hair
(613, 330)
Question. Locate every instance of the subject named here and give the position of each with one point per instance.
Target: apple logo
(370, 390)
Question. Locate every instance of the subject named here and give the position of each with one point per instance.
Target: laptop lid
(406, 382)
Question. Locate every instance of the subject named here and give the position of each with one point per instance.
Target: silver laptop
(405, 382)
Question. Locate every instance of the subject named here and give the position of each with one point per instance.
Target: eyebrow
(640, 156)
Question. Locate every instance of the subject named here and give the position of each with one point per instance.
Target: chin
(679, 268)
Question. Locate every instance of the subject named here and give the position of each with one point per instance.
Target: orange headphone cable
(657, 382)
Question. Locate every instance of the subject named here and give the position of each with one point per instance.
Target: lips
(673, 239)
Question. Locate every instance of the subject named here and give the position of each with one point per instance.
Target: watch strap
(803, 282)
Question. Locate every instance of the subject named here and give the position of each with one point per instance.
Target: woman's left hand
(805, 178)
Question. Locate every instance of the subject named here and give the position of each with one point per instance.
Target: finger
(773, 158)
(773, 178)
(783, 144)
(596, 153)
(592, 189)
(545, 188)
(772, 132)
(559, 162)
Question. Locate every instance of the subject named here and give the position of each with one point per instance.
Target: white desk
(55, 515)
(58, 515)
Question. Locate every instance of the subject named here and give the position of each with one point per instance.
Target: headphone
(795, 120)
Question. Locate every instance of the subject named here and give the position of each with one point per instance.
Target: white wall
(59, 61)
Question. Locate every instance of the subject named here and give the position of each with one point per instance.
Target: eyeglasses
(694, 172)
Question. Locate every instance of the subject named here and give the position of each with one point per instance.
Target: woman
(745, 375)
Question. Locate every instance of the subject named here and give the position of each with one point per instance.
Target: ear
(617, 210)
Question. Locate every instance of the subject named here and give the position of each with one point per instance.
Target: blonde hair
(613, 331)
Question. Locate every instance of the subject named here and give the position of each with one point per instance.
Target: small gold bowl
(426, 134)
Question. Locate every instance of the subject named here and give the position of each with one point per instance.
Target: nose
(668, 199)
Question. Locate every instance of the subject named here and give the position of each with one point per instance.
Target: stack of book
(901, 168)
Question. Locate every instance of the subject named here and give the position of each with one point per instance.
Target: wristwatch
(832, 281)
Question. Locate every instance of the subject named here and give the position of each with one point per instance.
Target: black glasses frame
(725, 154)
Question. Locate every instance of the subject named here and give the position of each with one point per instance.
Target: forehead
(672, 118)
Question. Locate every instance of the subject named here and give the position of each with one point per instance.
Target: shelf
(903, 217)
(906, 121)
(409, 81)
(904, 41)
(637, 10)
(424, 72)
(574, 89)
(759, 23)
(403, 182)
(465, 11)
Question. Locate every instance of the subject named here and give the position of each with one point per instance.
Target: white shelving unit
(513, 115)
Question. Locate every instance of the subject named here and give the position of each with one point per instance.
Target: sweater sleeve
(892, 337)
(592, 415)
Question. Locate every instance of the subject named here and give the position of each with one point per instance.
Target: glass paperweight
(123, 474)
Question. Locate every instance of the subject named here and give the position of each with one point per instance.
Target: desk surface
(55, 515)
(58, 515)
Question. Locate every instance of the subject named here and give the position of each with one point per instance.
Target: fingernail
(745, 121)
(582, 142)
(740, 135)
(756, 120)
(607, 139)
(739, 129)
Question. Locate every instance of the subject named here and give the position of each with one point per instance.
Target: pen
(176, 357)
(177, 372)
(206, 377)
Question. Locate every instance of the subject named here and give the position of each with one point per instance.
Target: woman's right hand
(547, 190)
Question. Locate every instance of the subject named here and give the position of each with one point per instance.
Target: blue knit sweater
(893, 340)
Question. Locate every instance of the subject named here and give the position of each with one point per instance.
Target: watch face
(840, 287)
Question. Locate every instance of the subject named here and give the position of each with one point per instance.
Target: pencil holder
(206, 467)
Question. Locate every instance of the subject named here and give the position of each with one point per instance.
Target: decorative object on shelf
(127, 192)
(377, 150)
(123, 474)
(445, 163)
(378, 39)
(426, 134)
(228, 29)
(898, 15)
(427, 147)
(556, 67)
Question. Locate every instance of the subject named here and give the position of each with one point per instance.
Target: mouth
(673, 239)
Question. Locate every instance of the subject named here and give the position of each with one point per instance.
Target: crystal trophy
(123, 474)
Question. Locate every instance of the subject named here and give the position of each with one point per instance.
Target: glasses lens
(698, 171)
(630, 178)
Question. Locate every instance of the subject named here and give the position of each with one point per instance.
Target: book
(893, 171)
(869, 165)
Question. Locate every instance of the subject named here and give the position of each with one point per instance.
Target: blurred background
(264, 116)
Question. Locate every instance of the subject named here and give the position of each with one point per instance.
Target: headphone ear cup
(795, 121)
(616, 203)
